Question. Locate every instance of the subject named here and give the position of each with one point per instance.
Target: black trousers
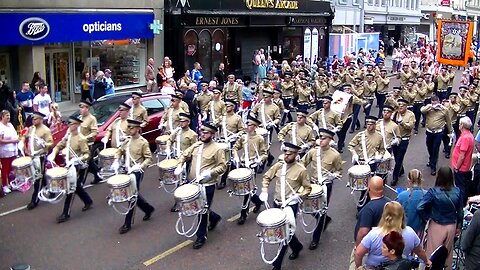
(286, 116)
(381, 103)
(294, 244)
(343, 133)
(399, 152)
(141, 202)
(319, 229)
(418, 114)
(39, 183)
(93, 169)
(82, 194)
(210, 216)
(433, 146)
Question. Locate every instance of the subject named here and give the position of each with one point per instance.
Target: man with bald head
(371, 213)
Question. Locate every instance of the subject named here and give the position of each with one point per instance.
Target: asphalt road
(90, 240)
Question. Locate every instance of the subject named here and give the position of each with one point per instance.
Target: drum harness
(180, 225)
(363, 199)
(25, 184)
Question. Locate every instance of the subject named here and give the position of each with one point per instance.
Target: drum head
(223, 145)
(163, 138)
(168, 163)
(261, 131)
(316, 189)
(359, 170)
(240, 173)
(118, 180)
(56, 172)
(21, 161)
(271, 216)
(108, 152)
(186, 191)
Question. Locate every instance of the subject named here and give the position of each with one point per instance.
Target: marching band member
(405, 120)
(334, 82)
(393, 96)
(183, 105)
(254, 155)
(137, 156)
(203, 98)
(415, 71)
(370, 86)
(471, 104)
(388, 129)
(383, 83)
(420, 89)
(321, 90)
(443, 79)
(216, 108)
(291, 176)
(304, 91)
(139, 112)
(326, 164)
(350, 76)
(325, 117)
(287, 87)
(38, 141)
(451, 77)
(233, 90)
(346, 116)
(409, 93)
(369, 143)
(437, 117)
(299, 132)
(171, 119)
(405, 75)
(357, 91)
(78, 154)
(232, 125)
(118, 129)
(207, 164)
(269, 114)
(427, 77)
(277, 100)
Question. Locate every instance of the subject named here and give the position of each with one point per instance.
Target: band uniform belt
(405, 139)
(370, 98)
(435, 131)
(303, 103)
(461, 115)
(471, 110)
(287, 97)
(418, 102)
(441, 90)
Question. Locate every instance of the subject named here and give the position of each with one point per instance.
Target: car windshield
(103, 110)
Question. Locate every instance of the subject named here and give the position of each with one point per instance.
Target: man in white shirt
(42, 101)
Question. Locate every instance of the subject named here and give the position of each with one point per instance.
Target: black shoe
(416, 131)
(221, 185)
(241, 220)
(86, 207)
(428, 164)
(433, 172)
(62, 218)
(31, 205)
(124, 229)
(214, 224)
(351, 131)
(257, 207)
(198, 243)
(357, 128)
(329, 219)
(447, 156)
(174, 209)
(423, 125)
(276, 268)
(313, 245)
(340, 150)
(394, 182)
(148, 215)
(295, 254)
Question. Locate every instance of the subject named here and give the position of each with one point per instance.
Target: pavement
(90, 240)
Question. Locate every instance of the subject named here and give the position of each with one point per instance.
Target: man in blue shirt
(25, 100)
(110, 85)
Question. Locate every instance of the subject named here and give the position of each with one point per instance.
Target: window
(370, 2)
(342, 2)
(153, 106)
(384, 3)
(356, 2)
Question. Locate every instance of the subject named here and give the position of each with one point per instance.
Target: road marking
(13, 211)
(167, 253)
(237, 216)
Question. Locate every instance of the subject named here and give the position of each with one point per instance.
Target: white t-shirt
(8, 132)
(43, 103)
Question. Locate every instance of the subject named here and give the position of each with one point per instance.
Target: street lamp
(362, 16)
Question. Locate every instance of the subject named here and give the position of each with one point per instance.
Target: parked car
(105, 110)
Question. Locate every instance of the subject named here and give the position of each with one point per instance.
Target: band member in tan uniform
(138, 112)
(405, 120)
(299, 133)
(118, 130)
(171, 119)
(232, 90)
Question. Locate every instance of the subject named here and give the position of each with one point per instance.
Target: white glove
(259, 162)
(236, 160)
(204, 117)
(51, 157)
(378, 158)
(263, 196)
(205, 176)
(161, 126)
(305, 147)
(178, 170)
(354, 158)
(286, 111)
(168, 152)
(115, 165)
(333, 176)
(335, 129)
(41, 143)
(395, 141)
(105, 140)
(136, 167)
(21, 145)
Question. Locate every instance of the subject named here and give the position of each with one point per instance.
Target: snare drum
(384, 167)
(242, 181)
(161, 142)
(106, 157)
(358, 176)
(190, 199)
(23, 168)
(121, 188)
(273, 223)
(166, 170)
(315, 202)
(57, 179)
(262, 132)
(226, 149)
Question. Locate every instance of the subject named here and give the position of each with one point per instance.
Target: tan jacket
(296, 177)
(330, 159)
(139, 151)
(89, 128)
(139, 113)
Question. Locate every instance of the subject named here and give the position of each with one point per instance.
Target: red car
(105, 110)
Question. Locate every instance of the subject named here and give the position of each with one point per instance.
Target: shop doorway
(57, 74)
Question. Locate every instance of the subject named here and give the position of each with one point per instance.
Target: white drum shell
(189, 199)
(273, 225)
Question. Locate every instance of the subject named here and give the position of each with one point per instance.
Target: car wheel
(97, 147)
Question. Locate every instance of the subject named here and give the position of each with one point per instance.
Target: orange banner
(454, 41)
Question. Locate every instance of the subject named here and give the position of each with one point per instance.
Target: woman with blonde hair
(55, 117)
(393, 219)
(410, 198)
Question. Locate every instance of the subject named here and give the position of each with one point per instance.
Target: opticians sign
(40, 28)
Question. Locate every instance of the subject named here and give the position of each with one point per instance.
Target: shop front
(65, 44)
(229, 32)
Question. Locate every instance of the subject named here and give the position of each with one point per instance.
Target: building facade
(347, 16)
(229, 31)
(63, 39)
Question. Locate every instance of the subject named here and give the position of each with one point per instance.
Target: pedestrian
(99, 86)
(161, 77)
(87, 86)
(185, 79)
(37, 80)
(110, 90)
(150, 76)
(42, 101)
(462, 158)
(443, 209)
(410, 198)
(25, 100)
(262, 71)
(169, 70)
(55, 117)
(220, 75)
(8, 148)
(392, 249)
(196, 74)
(13, 107)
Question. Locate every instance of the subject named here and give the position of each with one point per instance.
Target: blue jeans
(433, 146)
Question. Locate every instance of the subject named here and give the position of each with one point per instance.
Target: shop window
(190, 42)
(292, 47)
(218, 41)
(205, 53)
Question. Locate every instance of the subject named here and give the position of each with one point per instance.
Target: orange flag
(454, 40)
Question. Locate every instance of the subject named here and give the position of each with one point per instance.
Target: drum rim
(119, 185)
(58, 176)
(184, 199)
(166, 161)
(240, 179)
(22, 165)
(274, 224)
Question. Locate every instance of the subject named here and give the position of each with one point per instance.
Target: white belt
(435, 130)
